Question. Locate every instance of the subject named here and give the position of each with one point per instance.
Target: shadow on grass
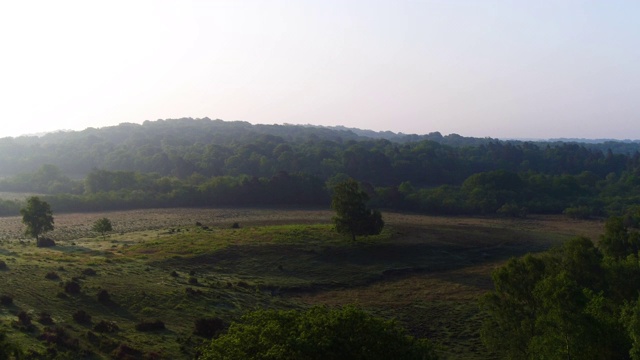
(311, 267)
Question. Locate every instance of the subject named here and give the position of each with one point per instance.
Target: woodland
(203, 162)
(200, 238)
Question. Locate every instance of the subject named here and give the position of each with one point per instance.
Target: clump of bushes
(59, 337)
(209, 327)
(156, 325)
(82, 317)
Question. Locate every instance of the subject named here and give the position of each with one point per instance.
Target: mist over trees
(203, 162)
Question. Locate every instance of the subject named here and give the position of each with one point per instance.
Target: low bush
(193, 292)
(72, 287)
(24, 319)
(156, 325)
(59, 337)
(44, 318)
(6, 300)
(89, 272)
(45, 242)
(124, 351)
(209, 327)
(82, 317)
(104, 297)
(52, 275)
(106, 327)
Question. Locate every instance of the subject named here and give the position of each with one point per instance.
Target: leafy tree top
(318, 333)
(352, 215)
(37, 216)
(102, 226)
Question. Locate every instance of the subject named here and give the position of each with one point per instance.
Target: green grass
(426, 272)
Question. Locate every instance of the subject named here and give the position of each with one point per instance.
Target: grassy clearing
(427, 272)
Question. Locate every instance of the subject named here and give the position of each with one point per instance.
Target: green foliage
(352, 215)
(102, 226)
(7, 349)
(318, 333)
(563, 304)
(617, 241)
(196, 162)
(37, 216)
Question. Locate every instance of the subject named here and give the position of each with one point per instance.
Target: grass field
(427, 272)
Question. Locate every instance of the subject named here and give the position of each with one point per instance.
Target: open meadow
(175, 266)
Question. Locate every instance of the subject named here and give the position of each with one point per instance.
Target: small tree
(352, 215)
(102, 226)
(37, 216)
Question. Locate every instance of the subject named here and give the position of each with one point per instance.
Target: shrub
(156, 325)
(104, 297)
(192, 292)
(209, 327)
(3, 265)
(89, 272)
(193, 280)
(45, 318)
(6, 300)
(124, 351)
(24, 319)
(235, 225)
(45, 242)
(106, 327)
(82, 317)
(58, 336)
(52, 275)
(72, 287)
(174, 273)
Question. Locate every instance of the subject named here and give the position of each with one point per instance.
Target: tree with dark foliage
(352, 215)
(37, 216)
(317, 333)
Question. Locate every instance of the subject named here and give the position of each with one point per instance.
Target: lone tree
(102, 226)
(37, 216)
(352, 215)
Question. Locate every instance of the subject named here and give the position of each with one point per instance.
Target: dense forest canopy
(195, 162)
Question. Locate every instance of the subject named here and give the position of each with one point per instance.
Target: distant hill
(183, 146)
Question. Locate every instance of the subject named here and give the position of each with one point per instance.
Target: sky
(502, 69)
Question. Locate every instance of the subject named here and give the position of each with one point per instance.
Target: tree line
(198, 162)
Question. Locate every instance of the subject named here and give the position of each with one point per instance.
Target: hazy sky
(524, 69)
